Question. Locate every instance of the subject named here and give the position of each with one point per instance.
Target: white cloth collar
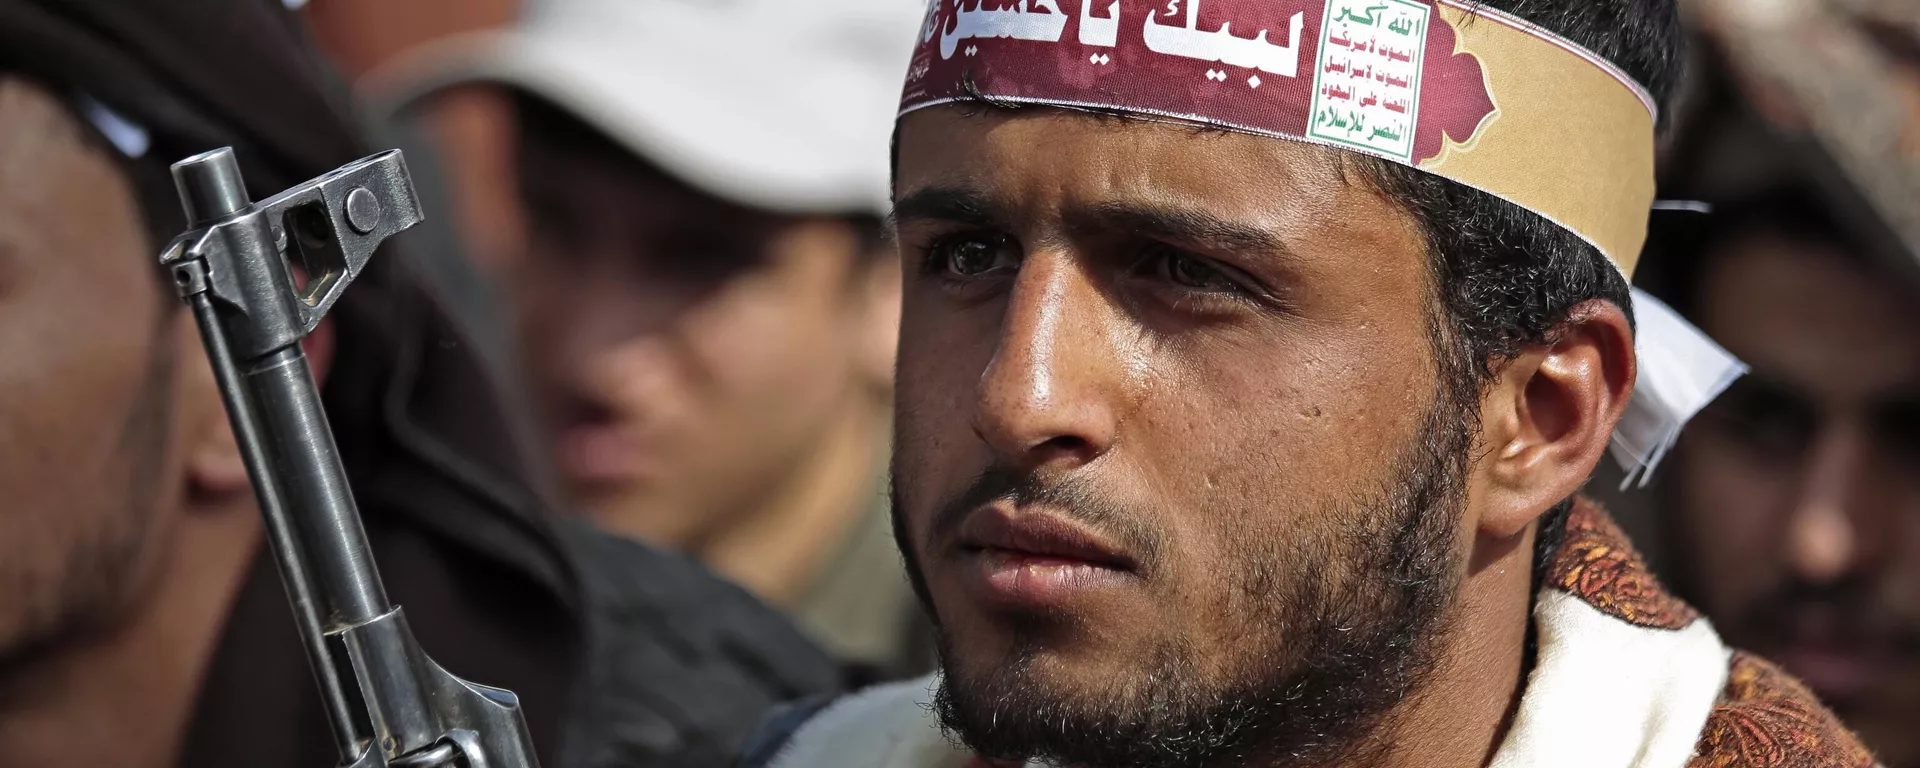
(1603, 694)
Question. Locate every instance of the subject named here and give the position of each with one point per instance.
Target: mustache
(1850, 600)
(1075, 497)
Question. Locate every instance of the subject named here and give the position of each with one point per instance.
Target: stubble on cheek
(73, 562)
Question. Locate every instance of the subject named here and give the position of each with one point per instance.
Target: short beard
(1342, 637)
(91, 579)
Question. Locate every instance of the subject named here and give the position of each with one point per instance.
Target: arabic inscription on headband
(1019, 23)
(1098, 31)
(1043, 21)
(1368, 80)
(1222, 46)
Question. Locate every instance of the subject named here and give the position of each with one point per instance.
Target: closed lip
(598, 454)
(1041, 535)
(1838, 669)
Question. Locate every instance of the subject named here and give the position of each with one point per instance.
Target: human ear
(1549, 415)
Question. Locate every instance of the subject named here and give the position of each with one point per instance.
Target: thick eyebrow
(954, 204)
(1192, 226)
(1179, 224)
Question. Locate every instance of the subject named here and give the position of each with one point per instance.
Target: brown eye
(1188, 271)
(971, 256)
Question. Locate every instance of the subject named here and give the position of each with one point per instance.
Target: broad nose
(1832, 534)
(1054, 393)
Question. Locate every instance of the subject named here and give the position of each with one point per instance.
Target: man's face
(87, 381)
(1799, 490)
(687, 353)
(1170, 469)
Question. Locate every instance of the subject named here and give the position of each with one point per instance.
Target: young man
(1796, 498)
(706, 312)
(141, 624)
(1226, 437)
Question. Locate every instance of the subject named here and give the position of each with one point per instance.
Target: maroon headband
(1475, 96)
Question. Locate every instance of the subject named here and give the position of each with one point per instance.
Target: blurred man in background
(1792, 505)
(706, 308)
(140, 623)
(1798, 492)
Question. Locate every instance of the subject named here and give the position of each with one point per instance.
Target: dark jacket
(621, 654)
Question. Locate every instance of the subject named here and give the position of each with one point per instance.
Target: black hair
(1506, 276)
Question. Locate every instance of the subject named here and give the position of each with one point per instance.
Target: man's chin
(665, 514)
(1042, 669)
(1031, 704)
(1078, 649)
(1072, 706)
(1039, 661)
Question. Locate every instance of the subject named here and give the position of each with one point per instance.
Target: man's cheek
(1736, 525)
(918, 470)
(933, 402)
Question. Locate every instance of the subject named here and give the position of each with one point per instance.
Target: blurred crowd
(622, 406)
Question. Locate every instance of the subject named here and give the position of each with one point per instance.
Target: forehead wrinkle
(1236, 191)
(1174, 221)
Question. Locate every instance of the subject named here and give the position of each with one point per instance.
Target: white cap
(781, 105)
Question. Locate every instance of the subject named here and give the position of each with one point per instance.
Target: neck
(1460, 715)
(125, 698)
(776, 549)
